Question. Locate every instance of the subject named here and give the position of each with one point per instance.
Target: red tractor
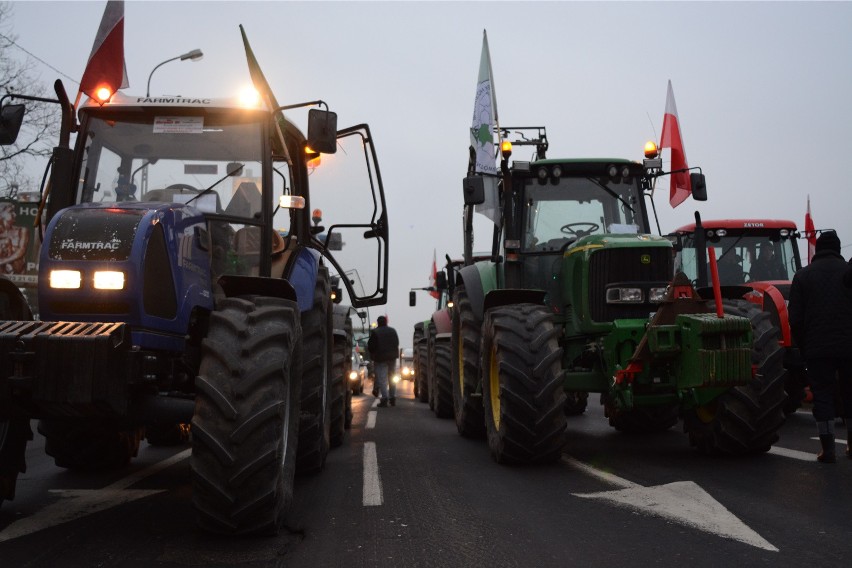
(757, 259)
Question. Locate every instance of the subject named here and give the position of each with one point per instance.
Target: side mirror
(412, 298)
(441, 281)
(699, 187)
(474, 190)
(322, 131)
(11, 118)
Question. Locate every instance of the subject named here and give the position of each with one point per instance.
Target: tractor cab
(747, 251)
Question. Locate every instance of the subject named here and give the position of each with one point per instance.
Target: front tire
(523, 395)
(467, 396)
(246, 416)
(315, 420)
(14, 435)
(745, 419)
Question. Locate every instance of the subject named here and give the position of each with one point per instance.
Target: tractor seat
(247, 247)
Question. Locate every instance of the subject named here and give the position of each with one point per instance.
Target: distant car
(358, 374)
(406, 364)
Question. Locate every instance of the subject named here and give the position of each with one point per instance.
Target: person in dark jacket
(384, 351)
(820, 315)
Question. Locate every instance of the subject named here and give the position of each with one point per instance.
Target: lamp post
(193, 55)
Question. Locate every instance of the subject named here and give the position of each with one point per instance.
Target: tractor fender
(768, 297)
(13, 304)
(303, 276)
(509, 296)
(478, 279)
(773, 302)
(443, 322)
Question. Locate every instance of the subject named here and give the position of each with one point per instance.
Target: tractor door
(348, 198)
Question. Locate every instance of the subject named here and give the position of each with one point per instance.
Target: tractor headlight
(624, 296)
(109, 280)
(406, 371)
(67, 279)
(353, 375)
(656, 295)
(396, 378)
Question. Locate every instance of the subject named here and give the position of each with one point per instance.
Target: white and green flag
(482, 133)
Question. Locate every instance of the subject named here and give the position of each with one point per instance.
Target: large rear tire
(467, 394)
(89, 445)
(315, 408)
(420, 372)
(745, 419)
(523, 395)
(246, 416)
(415, 364)
(14, 435)
(339, 388)
(442, 378)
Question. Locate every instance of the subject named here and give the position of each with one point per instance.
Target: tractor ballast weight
(577, 297)
(166, 301)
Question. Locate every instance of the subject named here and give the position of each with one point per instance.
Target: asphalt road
(406, 490)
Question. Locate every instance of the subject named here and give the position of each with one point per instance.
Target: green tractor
(578, 298)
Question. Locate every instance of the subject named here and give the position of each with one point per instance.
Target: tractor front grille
(652, 265)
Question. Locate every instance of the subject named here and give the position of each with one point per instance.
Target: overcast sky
(763, 90)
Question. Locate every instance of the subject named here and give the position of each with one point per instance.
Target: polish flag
(810, 233)
(433, 279)
(106, 67)
(671, 138)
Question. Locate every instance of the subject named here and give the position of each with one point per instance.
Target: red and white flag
(433, 279)
(810, 233)
(671, 138)
(106, 67)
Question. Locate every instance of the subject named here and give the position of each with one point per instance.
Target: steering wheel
(571, 229)
(182, 186)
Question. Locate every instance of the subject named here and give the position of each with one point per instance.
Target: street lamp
(193, 55)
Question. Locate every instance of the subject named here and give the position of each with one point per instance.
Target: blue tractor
(182, 288)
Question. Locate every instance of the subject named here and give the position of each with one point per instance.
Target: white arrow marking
(683, 502)
(76, 503)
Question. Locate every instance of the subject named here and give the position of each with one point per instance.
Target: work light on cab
(651, 150)
(291, 202)
(249, 97)
(103, 95)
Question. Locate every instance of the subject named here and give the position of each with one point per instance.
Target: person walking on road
(820, 315)
(384, 351)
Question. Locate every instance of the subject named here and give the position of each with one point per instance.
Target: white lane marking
(372, 481)
(684, 502)
(375, 403)
(371, 419)
(76, 503)
(836, 440)
(794, 454)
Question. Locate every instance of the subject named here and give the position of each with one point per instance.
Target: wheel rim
(707, 412)
(494, 387)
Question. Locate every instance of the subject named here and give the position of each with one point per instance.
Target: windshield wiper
(611, 192)
(232, 168)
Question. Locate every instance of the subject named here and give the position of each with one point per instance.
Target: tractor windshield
(158, 157)
(561, 211)
(744, 257)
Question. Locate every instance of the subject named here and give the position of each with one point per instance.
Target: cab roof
(121, 100)
(738, 224)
